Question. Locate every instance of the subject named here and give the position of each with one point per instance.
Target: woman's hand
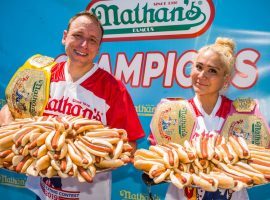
(5, 115)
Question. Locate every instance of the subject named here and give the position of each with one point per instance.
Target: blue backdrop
(31, 27)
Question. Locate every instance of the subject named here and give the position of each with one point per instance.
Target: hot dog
(5, 133)
(118, 150)
(147, 154)
(41, 139)
(31, 170)
(23, 163)
(18, 136)
(9, 157)
(172, 152)
(26, 137)
(219, 140)
(184, 155)
(162, 176)
(204, 146)
(48, 140)
(183, 167)
(112, 163)
(146, 165)
(228, 154)
(234, 174)
(205, 182)
(224, 181)
(192, 168)
(93, 149)
(180, 179)
(49, 172)
(240, 146)
(86, 128)
(27, 163)
(66, 164)
(56, 164)
(83, 121)
(75, 154)
(260, 165)
(166, 154)
(84, 151)
(16, 159)
(6, 142)
(201, 163)
(260, 152)
(257, 177)
(105, 133)
(5, 153)
(42, 163)
(85, 174)
(156, 170)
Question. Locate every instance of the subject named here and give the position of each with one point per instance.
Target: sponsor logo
(153, 19)
(256, 133)
(126, 195)
(145, 110)
(35, 91)
(182, 122)
(72, 107)
(12, 181)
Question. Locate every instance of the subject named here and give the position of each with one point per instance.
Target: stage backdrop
(149, 45)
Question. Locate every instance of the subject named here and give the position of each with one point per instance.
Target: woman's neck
(208, 102)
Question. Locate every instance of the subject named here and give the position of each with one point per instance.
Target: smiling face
(208, 74)
(82, 41)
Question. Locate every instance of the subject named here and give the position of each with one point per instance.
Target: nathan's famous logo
(72, 107)
(126, 195)
(153, 19)
(182, 122)
(35, 95)
(256, 133)
(12, 181)
(145, 109)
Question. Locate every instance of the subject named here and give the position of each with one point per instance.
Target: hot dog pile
(62, 146)
(208, 162)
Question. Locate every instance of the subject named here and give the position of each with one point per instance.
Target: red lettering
(87, 113)
(65, 107)
(76, 110)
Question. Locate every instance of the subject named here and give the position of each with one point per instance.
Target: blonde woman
(211, 75)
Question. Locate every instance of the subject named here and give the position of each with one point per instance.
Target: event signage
(153, 19)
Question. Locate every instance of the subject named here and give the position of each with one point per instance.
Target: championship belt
(173, 121)
(246, 123)
(28, 91)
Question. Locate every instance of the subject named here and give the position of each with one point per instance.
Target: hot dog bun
(205, 182)
(240, 146)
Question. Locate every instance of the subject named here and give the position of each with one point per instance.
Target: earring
(225, 87)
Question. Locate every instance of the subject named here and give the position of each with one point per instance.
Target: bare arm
(5, 115)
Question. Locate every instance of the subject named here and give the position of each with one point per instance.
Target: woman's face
(208, 74)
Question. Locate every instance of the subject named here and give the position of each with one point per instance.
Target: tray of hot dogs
(206, 162)
(62, 146)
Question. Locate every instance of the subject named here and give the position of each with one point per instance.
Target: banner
(150, 45)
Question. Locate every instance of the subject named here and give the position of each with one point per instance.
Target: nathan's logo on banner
(145, 109)
(153, 19)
